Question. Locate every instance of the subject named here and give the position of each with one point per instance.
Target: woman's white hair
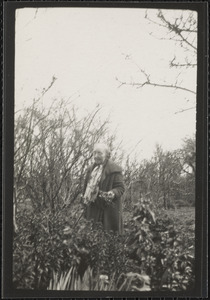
(102, 146)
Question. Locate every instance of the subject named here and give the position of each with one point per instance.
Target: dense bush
(41, 247)
(93, 247)
(38, 248)
(158, 248)
(155, 246)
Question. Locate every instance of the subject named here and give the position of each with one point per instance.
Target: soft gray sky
(86, 49)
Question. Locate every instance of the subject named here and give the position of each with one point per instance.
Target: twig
(180, 111)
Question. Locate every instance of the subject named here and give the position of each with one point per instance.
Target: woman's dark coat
(99, 211)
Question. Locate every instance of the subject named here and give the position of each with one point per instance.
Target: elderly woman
(103, 190)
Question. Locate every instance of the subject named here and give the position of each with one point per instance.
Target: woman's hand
(107, 197)
(111, 195)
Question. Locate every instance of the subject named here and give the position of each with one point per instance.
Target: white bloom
(103, 277)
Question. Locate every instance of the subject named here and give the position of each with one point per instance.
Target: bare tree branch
(178, 27)
(180, 65)
(180, 111)
(148, 82)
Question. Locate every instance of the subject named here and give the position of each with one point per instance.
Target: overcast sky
(86, 49)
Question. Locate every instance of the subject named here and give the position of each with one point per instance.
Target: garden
(56, 248)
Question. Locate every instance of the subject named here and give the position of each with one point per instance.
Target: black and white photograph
(105, 128)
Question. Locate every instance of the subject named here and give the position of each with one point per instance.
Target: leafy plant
(38, 249)
(156, 247)
(71, 281)
(101, 250)
(66, 281)
(154, 252)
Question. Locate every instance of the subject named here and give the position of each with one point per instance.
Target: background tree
(188, 162)
(167, 179)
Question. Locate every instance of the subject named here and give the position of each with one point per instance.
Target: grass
(184, 215)
(184, 220)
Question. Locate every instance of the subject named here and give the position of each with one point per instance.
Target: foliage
(101, 250)
(158, 248)
(155, 252)
(70, 281)
(38, 248)
(63, 282)
(42, 246)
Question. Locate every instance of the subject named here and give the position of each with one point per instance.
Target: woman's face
(99, 155)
